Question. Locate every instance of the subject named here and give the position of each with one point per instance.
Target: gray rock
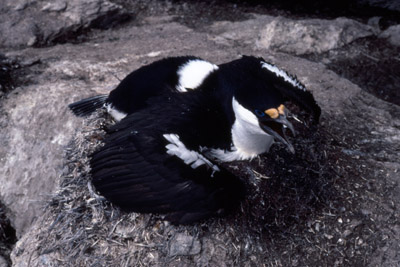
(27, 23)
(21, 4)
(32, 41)
(392, 5)
(183, 244)
(3, 262)
(55, 6)
(310, 36)
(374, 23)
(78, 229)
(245, 32)
(36, 128)
(296, 37)
(392, 34)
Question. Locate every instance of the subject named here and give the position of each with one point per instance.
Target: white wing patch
(283, 74)
(189, 157)
(228, 155)
(115, 113)
(193, 73)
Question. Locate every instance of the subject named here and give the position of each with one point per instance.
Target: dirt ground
(324, 208)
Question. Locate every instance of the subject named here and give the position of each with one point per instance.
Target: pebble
(346, 233)
(183, 244)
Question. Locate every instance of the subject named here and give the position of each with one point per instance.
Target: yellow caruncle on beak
(272, 112)
(281, 109)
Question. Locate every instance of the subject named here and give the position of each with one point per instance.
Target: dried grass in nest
(286, 192)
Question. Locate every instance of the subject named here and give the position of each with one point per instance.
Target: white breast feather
(193, 73)
(283, 74)
(189, 157)
(248, 139)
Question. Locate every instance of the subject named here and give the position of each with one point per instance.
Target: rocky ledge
(333, 203)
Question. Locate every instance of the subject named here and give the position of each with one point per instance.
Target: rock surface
(392, 34)
(38, 23)
(3, 262)
(348, 217)
(310, 36)
(292, 36)
(387, 4)
(35, 130)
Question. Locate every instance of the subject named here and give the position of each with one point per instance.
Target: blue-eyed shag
(164, 158)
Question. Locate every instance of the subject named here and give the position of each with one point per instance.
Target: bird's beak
(277, 128)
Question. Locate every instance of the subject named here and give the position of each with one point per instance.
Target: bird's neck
(247, 135)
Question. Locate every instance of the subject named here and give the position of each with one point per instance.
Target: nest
(287, 196)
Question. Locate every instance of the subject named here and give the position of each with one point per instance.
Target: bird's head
(274, 122)
(254, 93)
(261, 112)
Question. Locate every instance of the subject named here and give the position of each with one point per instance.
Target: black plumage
(134, 171)
(164, 156)
(135, 89)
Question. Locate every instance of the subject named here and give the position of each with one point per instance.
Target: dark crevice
(7, 66)
(8, 236)
(16, 71)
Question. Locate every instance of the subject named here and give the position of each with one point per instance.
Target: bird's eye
(259, 113)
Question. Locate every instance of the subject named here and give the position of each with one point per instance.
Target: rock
(32, 41)
(79, 228)
(392, 5)
(40, 23)
(392, 34)
(37, 129)
(21, 5)
(3, 262)
(310, 36)
(374, 23)
(182, 244)
(55, 7)
(245, 32)
(87, 12)
(292, 36)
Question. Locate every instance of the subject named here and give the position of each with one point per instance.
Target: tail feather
(87, 106)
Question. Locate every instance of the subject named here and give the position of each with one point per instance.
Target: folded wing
(146, 171)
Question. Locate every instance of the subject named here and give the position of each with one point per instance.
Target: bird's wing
(170, 75)
(145, 171)
(87, 106)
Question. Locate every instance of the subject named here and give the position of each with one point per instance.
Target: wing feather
(133, 171)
